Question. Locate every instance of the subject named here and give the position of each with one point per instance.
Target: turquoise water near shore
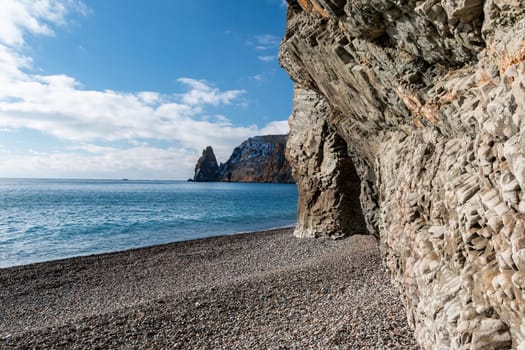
(49, 219)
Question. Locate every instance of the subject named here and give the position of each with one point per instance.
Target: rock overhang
(429, 99)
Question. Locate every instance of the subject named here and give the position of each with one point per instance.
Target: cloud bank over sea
(105, 133)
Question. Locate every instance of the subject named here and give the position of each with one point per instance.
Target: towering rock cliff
(206, 168)
(419, 106)
(258, 159)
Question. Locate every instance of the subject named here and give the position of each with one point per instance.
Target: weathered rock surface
(428, 98)
(206, 168)
(258, 159)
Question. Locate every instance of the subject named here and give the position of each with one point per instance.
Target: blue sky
(136, 88)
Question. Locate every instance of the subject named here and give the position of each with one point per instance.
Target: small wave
(50, 219)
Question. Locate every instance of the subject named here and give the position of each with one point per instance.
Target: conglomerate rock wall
(426, 99)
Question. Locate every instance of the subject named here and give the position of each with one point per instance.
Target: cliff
(206, 168)
(258, 159)
(408, 124)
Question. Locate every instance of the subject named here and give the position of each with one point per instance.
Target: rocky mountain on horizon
(258, 159)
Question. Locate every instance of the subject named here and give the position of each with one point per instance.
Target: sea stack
(258, 159)
(206, 168)
(427, 100)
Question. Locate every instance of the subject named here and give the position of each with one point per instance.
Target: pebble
(266, 290)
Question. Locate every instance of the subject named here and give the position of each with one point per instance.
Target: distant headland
(258, 159)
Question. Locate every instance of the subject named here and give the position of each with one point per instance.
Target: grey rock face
(427, 100)
(328, 185)
(258, 159)
(206, 168)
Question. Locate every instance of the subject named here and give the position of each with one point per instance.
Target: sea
(48, 219)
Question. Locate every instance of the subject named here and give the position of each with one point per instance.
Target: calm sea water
(44, 220)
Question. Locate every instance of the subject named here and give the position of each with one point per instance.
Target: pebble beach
(264, 290)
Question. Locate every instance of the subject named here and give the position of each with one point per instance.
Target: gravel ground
(265, 290)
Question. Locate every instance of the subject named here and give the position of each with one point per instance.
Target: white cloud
(149, 97)
(268, 58)
(263, 77)
(34, 16)
(202, 93)
(282, 3)
(276, 128)
(58, 105)
(259, 77)
(266, 45)
(266, 42)
(102, 162)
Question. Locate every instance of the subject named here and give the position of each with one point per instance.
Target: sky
(111, 89)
